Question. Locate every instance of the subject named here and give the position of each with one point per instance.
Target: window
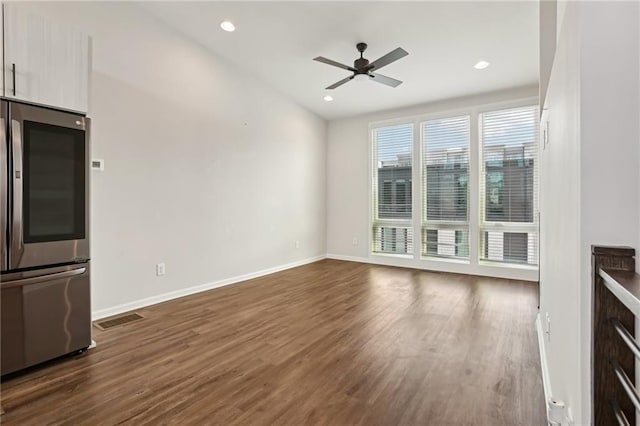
(509, 185)
(392, 189)
(445, 174)
(476, 191)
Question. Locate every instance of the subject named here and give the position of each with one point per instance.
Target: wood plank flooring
(330, 343)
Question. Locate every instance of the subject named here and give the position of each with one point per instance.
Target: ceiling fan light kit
(362, 69)
(361, 78)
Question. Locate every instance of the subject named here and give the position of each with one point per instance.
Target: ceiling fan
(361, 66)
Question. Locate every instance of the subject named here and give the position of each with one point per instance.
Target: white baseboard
(348, 258)
(126, 307)
(546, 382)
(445, 265)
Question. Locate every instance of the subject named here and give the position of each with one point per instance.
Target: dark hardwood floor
(333, 343)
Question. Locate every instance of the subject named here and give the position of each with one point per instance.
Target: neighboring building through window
(509, 189)
(503, 155)
(392, 191)
(445, 222)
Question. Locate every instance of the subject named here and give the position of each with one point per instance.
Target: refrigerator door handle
(42, 278)
(17, 244)
(4, 193)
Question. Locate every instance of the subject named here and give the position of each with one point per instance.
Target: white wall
(590, 169)
(560, 291)
(548, 38)
(348, 183)
(207, 169)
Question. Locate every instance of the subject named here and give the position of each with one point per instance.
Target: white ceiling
(276, 41)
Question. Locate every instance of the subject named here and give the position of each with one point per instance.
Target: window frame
(442, 224)
(374, 219)
(472, 107)
(501, 226)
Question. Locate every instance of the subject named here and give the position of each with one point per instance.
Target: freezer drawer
(45, 314)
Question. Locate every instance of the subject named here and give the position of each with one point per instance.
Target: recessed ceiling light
(328, 98)
(227, 26)
(481, 65)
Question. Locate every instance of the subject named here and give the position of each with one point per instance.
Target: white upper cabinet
(45, 62)
(1, 47)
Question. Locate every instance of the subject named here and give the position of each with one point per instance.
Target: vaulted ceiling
(276, 41)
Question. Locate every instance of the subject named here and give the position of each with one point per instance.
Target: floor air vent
(108, 323)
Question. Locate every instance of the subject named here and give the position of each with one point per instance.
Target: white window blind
(445, 174)
(509, 185)
(392, 193)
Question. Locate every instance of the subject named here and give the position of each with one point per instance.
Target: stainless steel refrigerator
(44, 227)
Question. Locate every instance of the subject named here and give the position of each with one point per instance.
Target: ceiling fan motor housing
(359, 64)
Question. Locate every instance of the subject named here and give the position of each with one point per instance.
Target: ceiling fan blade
(334, 63)
(339, 83)
(390, 57)
(379, 78)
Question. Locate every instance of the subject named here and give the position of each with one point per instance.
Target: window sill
(445, 259)
(508, 265)
(393, 255)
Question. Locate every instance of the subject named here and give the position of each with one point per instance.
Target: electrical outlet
(160, 269)
(355, 241)
(548, 327)
(297, 244)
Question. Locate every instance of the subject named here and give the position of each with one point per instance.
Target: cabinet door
(2, 44)
(45, 62)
